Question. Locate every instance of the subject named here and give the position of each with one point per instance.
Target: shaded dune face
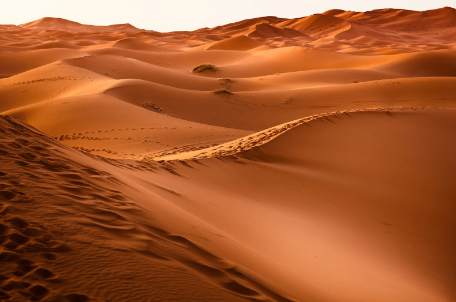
(271, 159)
(77, 219)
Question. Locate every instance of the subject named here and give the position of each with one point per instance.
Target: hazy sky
(171, 15)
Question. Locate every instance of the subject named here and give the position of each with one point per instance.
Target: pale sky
(172, 15)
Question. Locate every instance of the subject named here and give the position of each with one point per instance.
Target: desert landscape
(271, 159)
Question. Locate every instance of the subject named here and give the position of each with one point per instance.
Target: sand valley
(281, 160)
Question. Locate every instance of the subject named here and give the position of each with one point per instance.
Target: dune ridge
(313, 161)
(85, 187)
(262, 137)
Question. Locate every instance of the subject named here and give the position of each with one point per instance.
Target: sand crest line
(306, 164)
(262, 137)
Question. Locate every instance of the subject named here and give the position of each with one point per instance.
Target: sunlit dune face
(269, 159)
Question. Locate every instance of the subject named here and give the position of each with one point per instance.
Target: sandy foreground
(314, 160)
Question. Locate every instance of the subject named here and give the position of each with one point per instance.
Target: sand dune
(71, 26)
(265, 30)
(127, 68)
(43, 258)
(130, 43)
(15, 63)
(270, 159)
(425, 64)
(234, 43)
(314, 167)
(177, 60)
(317, 25)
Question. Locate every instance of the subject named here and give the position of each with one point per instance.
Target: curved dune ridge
(111, 201)
(270, 159)
(234, 43)
(260, 138)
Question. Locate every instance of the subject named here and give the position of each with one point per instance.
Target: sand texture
(280, 160)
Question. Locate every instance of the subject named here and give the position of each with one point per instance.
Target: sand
(313, 162)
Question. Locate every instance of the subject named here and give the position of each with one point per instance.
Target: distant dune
(271, 159)
(70, 26)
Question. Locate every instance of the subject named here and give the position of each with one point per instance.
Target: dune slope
(367, 192)
(266, 160)
(78, 218)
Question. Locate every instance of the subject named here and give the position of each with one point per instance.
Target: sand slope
(317, 228)
(52, 249)
(331, 198)
(70, 26)
(234, 43)
(313, 161)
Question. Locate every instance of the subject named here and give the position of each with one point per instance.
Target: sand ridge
(84, 190)
(270, 159)
(262, 137)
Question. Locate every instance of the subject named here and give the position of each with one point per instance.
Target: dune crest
(60, 24)
(234, 43)
(311, 159)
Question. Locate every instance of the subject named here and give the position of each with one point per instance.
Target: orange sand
(327, 174)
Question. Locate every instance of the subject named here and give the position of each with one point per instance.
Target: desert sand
(309, 159)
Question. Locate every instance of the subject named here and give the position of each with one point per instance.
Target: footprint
(11, 245)
(15, 285)
(38, 292)
(19, 239)
(18, 223)
(43, 273)
(7, 195)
